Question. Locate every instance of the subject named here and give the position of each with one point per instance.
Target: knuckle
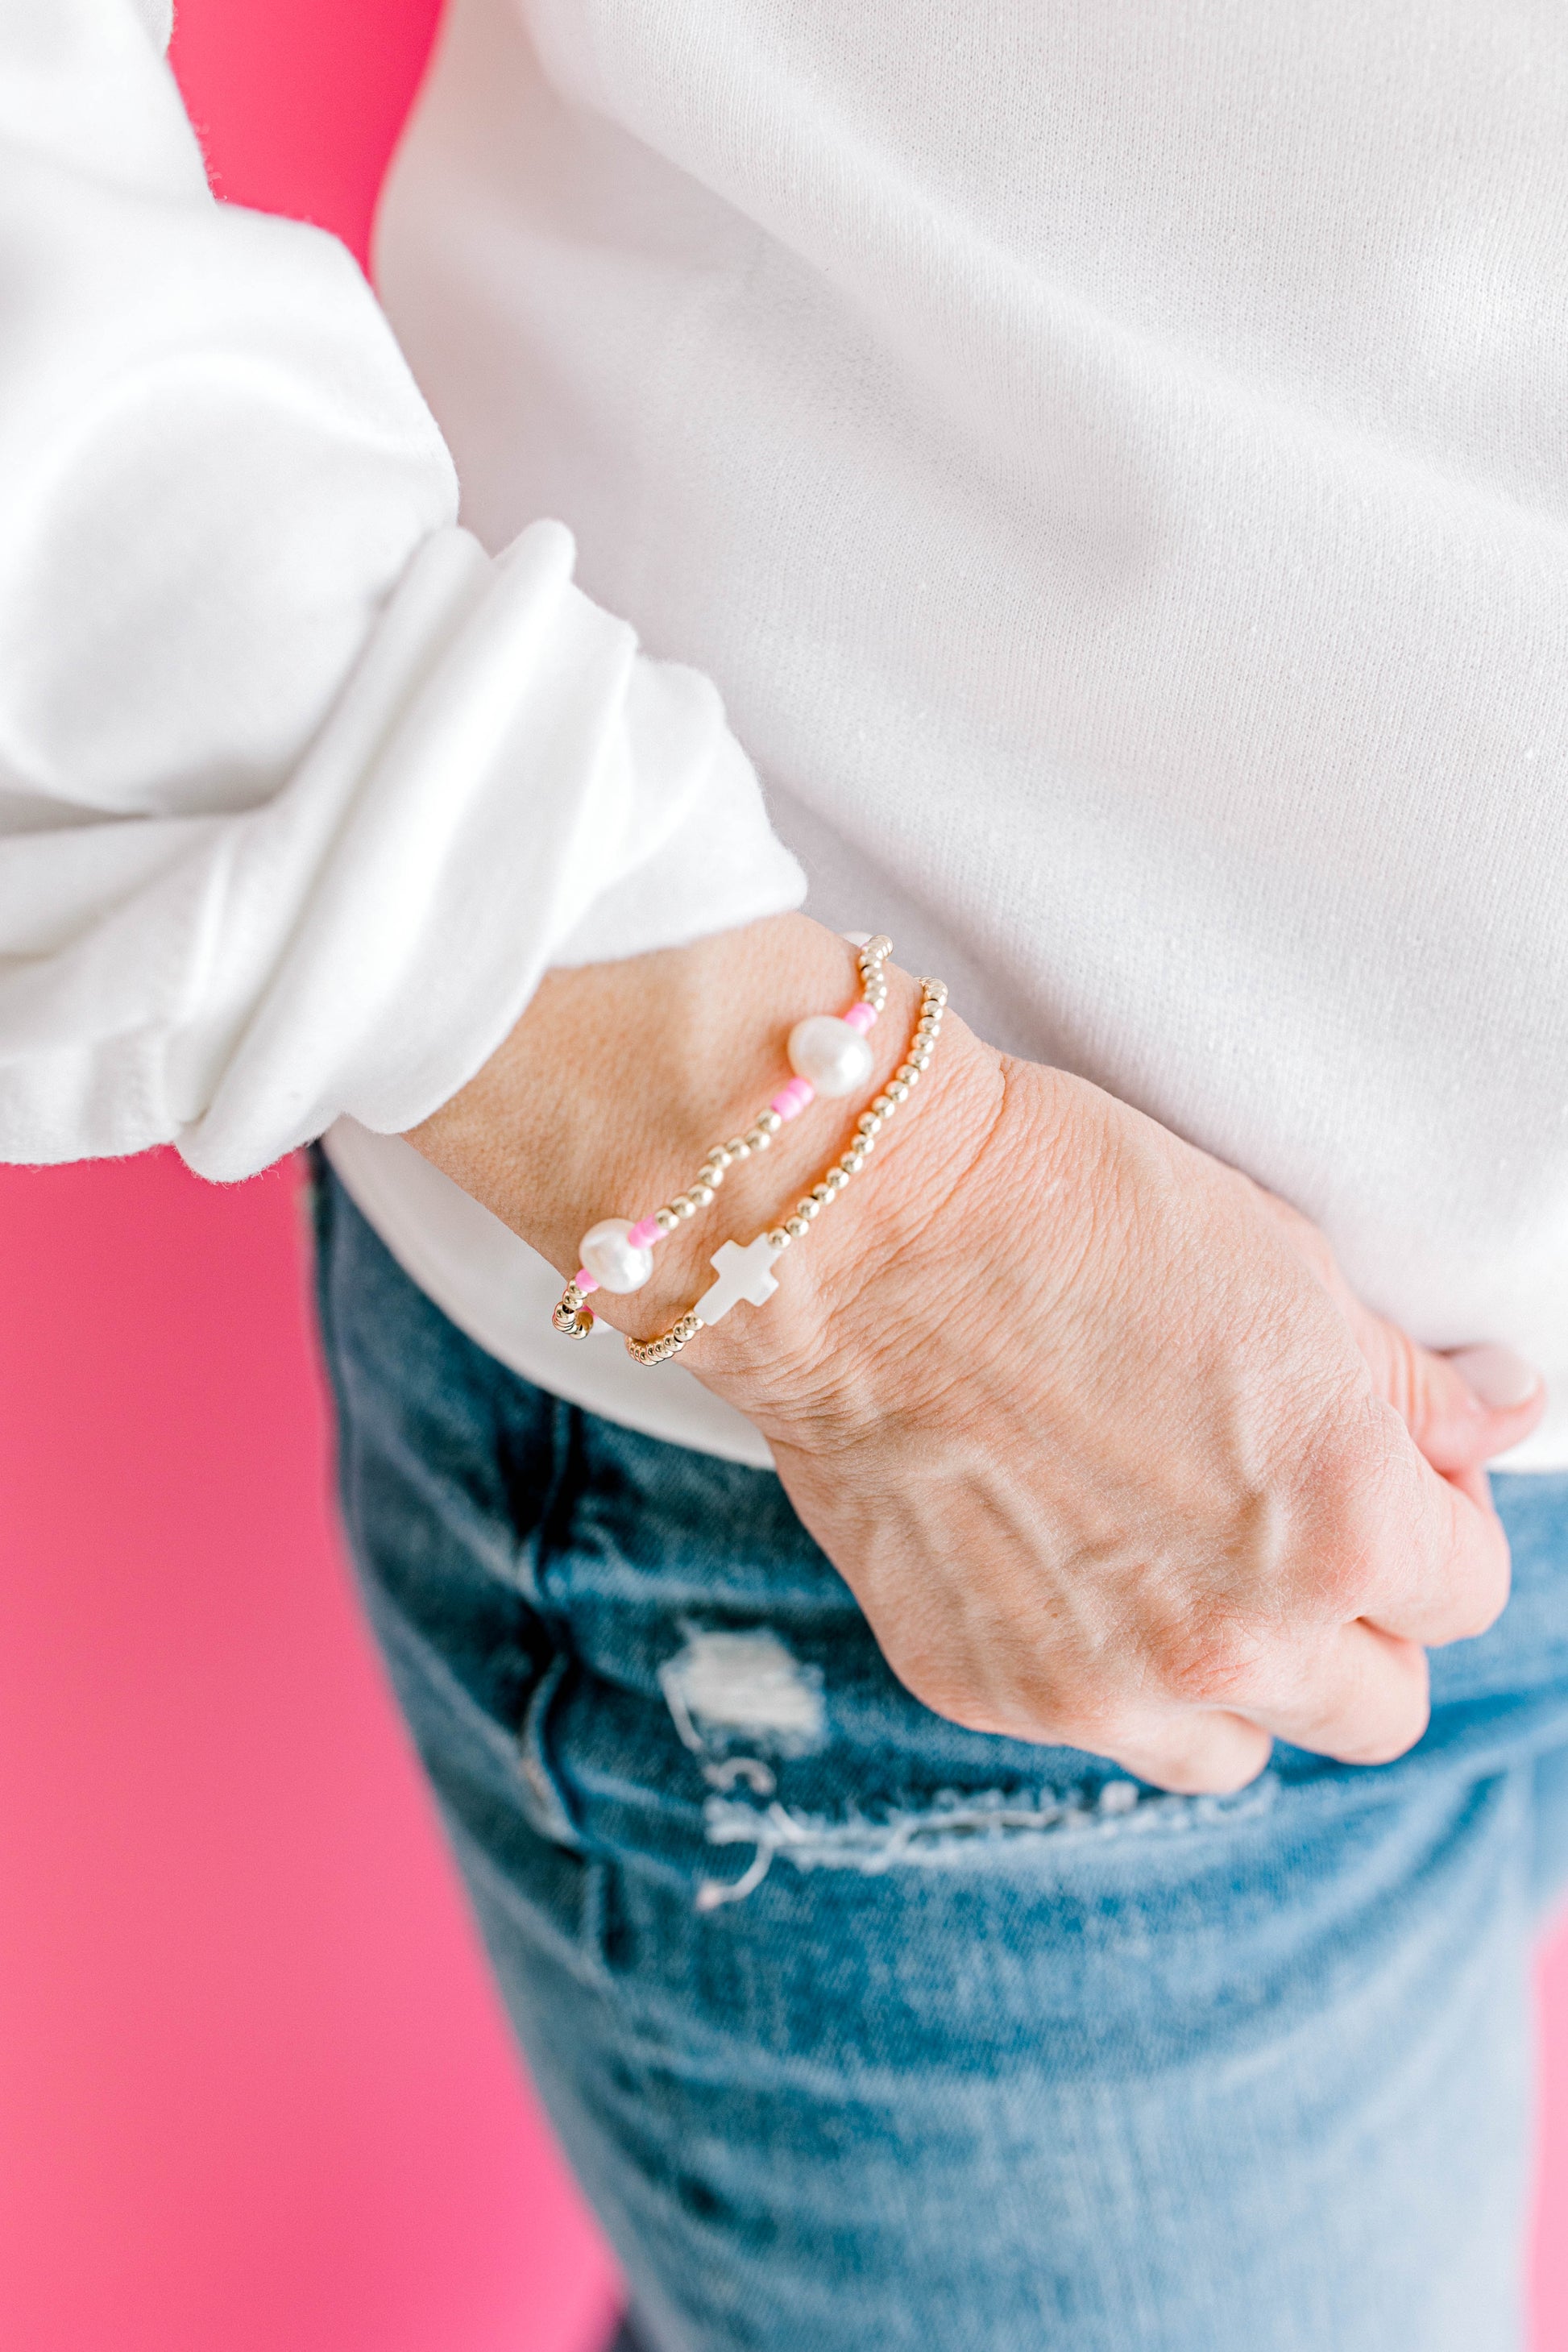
(1340, 1578)
(1357, 1507)
(1212, 1660)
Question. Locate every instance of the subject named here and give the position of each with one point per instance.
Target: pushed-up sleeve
(301, 790)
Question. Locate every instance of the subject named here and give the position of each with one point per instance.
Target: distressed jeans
(864, 2032)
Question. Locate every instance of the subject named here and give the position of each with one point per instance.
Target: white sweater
(1112, 461)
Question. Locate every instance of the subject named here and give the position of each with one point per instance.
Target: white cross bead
(742, 1273)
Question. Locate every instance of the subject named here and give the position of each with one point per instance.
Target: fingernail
(1496, 1376)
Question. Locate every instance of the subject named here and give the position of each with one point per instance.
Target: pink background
(255, 2092)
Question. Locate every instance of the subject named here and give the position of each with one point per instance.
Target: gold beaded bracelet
(617, 1253)
(746, 1273)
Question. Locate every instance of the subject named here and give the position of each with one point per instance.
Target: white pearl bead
(830, 1054)
(610, 1258)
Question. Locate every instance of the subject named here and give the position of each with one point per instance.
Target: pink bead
(860, 1016)
(644, 1233)
(792, 1099)
(584, 1281)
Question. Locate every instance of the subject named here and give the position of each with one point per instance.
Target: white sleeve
(300, 790)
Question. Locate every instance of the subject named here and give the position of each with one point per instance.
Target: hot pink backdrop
(255, 2094)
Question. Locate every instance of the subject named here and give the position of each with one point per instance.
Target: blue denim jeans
(864, 2032)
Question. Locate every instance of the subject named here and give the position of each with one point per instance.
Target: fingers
(1366, 1700)
(1201, 1752)
(1462, 1409)
(1438, 1568)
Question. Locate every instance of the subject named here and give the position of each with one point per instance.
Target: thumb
(1460, 1409)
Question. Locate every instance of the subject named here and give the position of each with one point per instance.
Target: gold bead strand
(571, 1314)
(822, 1195)
(759, 1136)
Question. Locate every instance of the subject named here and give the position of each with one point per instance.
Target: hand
(1078, 1412)
(1093, 1440)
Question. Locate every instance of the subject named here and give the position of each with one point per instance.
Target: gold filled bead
(778, 1239)
(808, 1208)
(898, 1090)
(701, 1195)
(570, 1316)
(771, 1120)
(796, 1226)
(884, 1105)
(738, 1148)
(852, 1163)
(821, 1194)
(836, 1180)
(666, 1220)
(868, 1123)
(758, 1138)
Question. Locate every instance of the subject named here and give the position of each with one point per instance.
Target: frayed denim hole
(952, 1827)
(729, 1689)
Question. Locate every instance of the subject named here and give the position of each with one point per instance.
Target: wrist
(860, 1296)
(620, 1078)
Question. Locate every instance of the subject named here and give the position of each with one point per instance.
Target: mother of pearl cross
(742, 1273)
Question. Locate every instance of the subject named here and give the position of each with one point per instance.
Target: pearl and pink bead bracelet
(828, 1055)
(746, 1273)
